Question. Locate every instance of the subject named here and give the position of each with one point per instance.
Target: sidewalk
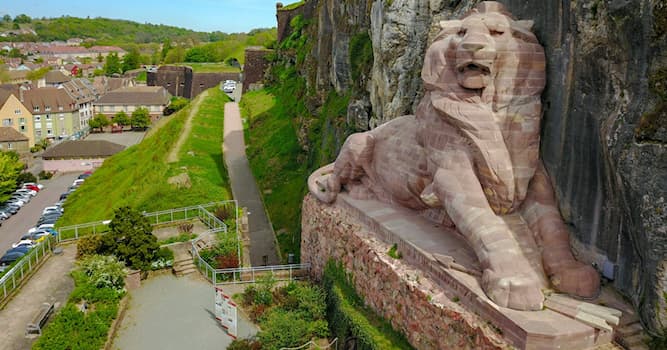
(167, 313)
(244, 188)
(51, 283)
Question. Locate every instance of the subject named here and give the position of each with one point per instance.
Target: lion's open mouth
(474, 67)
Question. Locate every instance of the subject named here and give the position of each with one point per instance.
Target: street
(16, 226)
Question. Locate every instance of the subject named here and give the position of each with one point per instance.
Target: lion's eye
(496, 32)
(462, 32)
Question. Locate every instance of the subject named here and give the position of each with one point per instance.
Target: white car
(24, 242)
(229, 88)
(51, 209)
(26, 191)
(42, 227)
(78, 182)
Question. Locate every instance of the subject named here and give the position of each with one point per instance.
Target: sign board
(225, 312)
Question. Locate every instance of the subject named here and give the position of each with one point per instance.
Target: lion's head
(486, 52)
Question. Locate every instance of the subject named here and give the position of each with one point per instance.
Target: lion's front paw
(516, 291)
(577, 279)
(324, 190)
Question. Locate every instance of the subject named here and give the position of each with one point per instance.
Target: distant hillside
(107, 31)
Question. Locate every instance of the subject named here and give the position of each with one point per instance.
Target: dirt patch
(173, 231)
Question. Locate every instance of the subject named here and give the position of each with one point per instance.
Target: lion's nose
(474, 43)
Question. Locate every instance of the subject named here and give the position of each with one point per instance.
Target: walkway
(244, 188)
(51, 283)
(173, 155)
(176, 313)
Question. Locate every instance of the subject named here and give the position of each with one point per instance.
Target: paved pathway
(51, 283)
(176, 313)
(244, 188)
(173, 155)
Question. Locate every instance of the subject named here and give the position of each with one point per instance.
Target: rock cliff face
(604, 132)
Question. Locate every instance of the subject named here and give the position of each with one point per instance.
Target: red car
(31, 187)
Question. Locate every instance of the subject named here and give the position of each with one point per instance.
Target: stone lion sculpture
(471, 153)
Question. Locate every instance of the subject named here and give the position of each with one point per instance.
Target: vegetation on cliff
(138, 176)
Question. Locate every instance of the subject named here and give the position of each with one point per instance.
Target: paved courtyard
(176, 313)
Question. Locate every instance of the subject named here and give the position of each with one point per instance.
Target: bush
(283, 329)
(245, 344)
(131, 239)
(349, 318)
(224, 212)
(25, 177)
(45, 175)
(88, 245)
(186, 227)
(104, 272)
(163, 258)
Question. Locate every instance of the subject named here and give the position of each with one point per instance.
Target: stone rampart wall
(413, 304)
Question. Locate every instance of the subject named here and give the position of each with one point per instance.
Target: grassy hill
(138, 176)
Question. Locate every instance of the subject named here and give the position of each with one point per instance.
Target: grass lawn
(273, 152)
(138, 176)
(220, 67)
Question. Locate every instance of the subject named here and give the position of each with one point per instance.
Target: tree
(141, 119)
(99, 121)
(175, 55)
(6, 19)
(22, 18)
(112, 64)
(131, 239)
(10, 168)
(25, 177)
(121, 118)
(131, 59)
(166, 46)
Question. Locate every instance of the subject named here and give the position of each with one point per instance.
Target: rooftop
(8, 134)
(50, 99)
(82, 149)
(136, 95)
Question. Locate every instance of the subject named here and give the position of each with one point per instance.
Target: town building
(182, 81)
(55, 113)
(14, 114)
(12, 140)
(153, 98)
(78, 155)
(84, 94)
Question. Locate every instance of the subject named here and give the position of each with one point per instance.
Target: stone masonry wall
(255, 66)
(414, 305)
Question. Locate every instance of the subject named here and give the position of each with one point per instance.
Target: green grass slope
(138, 176)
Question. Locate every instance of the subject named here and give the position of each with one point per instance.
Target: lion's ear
(450, 25)
(526, 25)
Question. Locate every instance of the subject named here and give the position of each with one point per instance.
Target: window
(49, 132)
(35, 109)
(7, 122)
(48, 117)
(38, 118)
(17, 111)
(22, 128)
(38, 125)
(49, 125)
(21, 120)
(47, 108)
(9, 145)
(60, 108)
(38, 133)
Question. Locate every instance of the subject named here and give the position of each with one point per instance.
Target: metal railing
(170, 216)
(246, 274)
(12, 279)
(312, 345)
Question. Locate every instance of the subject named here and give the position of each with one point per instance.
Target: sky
(229, 16)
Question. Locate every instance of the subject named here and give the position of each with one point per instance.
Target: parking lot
(17, 225)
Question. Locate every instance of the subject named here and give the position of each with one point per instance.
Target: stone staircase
(183, 263)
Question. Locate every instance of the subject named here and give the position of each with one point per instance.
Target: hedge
(348, 317)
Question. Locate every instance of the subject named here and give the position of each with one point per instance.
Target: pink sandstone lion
(472, 153)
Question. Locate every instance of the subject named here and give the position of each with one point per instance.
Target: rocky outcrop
(605, 109)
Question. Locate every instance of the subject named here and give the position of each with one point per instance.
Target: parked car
(42, 227)
(40, 186)
(22, 249)
(84, 176)
(9, 258)
(37, 236)
(16, 202)
(27, 191)
(4, 214)
(63, 196)
(51, 210)
(30, 187)
(9, 208)
(78, 182)
(24, 242)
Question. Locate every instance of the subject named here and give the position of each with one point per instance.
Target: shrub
(163, 258)
(25, 177)
(104, 272)
(45, 175)
(283, 329)
(348, 317)
(88, 245)
(245, 344)
(131, 239)
(224, 212)
(186, 227)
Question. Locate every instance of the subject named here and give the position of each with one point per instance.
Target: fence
(12, 279)
(202, 211)
(246, 274)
